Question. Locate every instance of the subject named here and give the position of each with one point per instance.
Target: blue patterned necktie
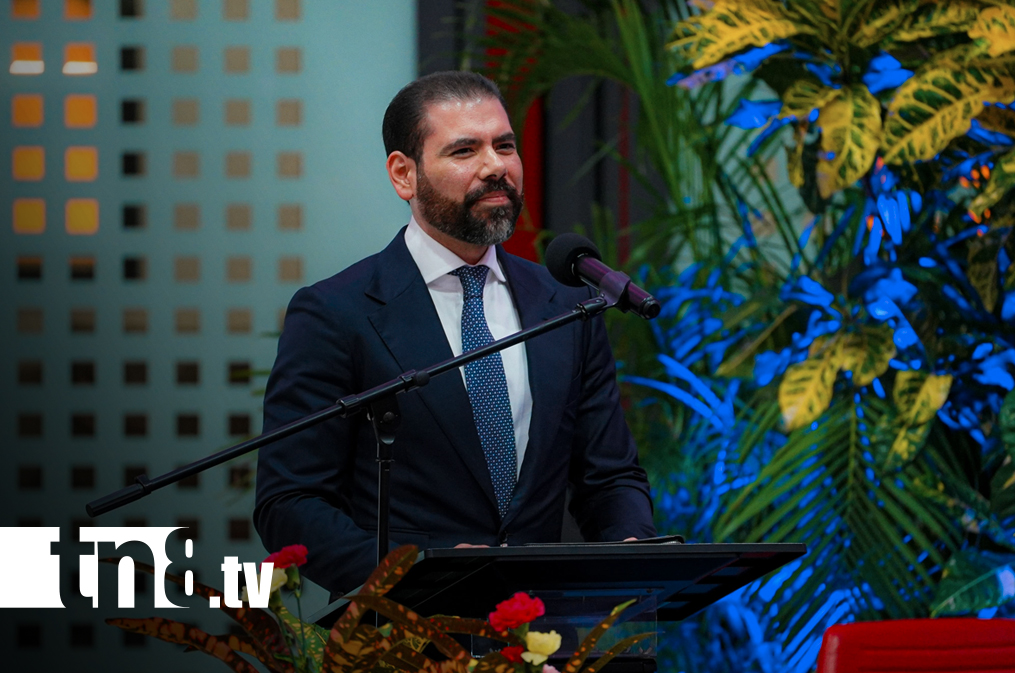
(488, 392)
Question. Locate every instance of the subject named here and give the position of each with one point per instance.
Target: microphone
(574, 260)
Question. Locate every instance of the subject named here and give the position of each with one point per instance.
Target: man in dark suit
(484, 456)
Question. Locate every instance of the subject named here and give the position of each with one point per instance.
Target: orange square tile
(79, 111)
(29, 216)
(77, 10)
(26, 110)
(26, 58)
(29, 163)
(82, 216)
(26, 51)
(81, 164)
(25, 9)
(79, 59)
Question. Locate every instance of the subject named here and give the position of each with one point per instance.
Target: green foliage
(974, 580)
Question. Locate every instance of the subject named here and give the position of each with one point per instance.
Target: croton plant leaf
(850, 135)
(731, 26)
(806, 389)
(996, 25)
(884, 20)
(866, 353)
(918, 397)
(938, 18)
(937, 104)
(803, 96)
(574, 663)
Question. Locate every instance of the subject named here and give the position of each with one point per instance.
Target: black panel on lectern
(680, 578)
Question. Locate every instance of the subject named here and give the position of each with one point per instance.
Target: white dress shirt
(436, 263)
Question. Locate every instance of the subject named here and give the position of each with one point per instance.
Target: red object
(920, 646)
(513, 653)
(515, 611)
(294, 554)
(523, 242)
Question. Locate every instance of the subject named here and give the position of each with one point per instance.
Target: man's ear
(402, 173)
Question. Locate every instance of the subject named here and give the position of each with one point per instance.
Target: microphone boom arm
(381, 404)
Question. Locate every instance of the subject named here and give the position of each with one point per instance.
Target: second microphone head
(562, 253)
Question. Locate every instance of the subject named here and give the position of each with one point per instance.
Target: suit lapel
(408, 324)
(549, 362)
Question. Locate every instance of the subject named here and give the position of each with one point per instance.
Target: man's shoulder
(356, 282)
(353, 280)
(514, 265)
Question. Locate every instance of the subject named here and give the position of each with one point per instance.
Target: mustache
(500, 185)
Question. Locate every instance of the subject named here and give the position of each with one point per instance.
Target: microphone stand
(381, 406)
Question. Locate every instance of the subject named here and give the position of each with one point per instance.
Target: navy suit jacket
(375, 320)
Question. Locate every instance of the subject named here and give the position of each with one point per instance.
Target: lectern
(580, 583)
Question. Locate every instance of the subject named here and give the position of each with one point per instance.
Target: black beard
(491, 226)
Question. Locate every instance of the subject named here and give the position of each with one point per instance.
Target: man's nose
(493, 165)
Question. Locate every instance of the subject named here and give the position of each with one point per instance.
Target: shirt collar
(435, 261)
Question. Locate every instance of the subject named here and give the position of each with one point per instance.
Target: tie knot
(473, 279)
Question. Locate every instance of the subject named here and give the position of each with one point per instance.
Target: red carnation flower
(294, 554)
(515, 611)
(513, 653)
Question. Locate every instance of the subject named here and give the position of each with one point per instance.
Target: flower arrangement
(284, 643)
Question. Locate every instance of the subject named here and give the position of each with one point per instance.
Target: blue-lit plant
(885, 361)
(843, 381)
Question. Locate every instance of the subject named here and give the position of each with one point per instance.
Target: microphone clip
(613, 287)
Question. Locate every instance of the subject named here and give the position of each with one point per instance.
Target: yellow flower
(540, 646)
(278, 580)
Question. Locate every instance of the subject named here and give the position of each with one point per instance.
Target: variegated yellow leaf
(997, 26)
(907, 444)
(918, 397)
(1000, 119)
(939, 18)
(983, 270)
(806, 389)
(938, 104)
(850, 135)
(731, 26)
(1002, 180)
(866, 354)
(805, 95)
(882, 23)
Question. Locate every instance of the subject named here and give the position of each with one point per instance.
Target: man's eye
(508, 147)
(462, 150)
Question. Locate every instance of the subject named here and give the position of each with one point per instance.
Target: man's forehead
(444, 115)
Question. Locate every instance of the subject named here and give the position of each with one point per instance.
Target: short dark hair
(404, 127)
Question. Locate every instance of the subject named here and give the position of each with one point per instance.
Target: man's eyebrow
(469, 142)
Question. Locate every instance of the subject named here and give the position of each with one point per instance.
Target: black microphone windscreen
(562, 253)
